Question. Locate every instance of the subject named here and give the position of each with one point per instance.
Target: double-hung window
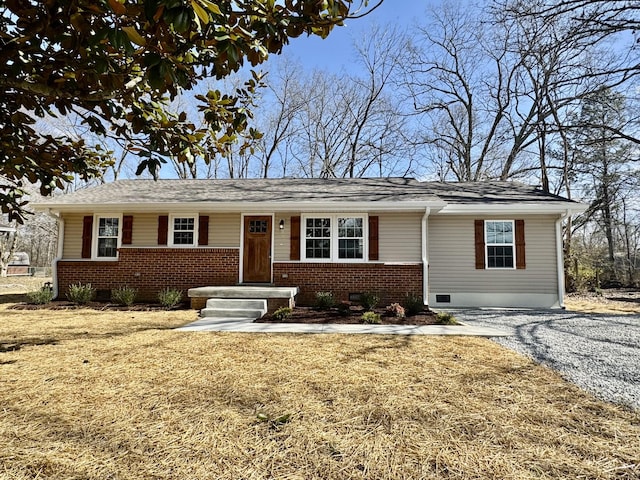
(500, 243)
(107, 237)
(334, 238)
(350, 238)
(183, 231)
(318, 238)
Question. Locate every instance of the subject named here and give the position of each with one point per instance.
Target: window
(334, 238)
(350, 238)
(183, 231)
(318, 238)
(500, 244)
(107, 238)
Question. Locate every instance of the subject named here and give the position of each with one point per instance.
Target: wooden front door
(257, 249)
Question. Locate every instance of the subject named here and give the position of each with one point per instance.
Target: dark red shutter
(479, 241)
(294, 250)
(163, 229)
(127, 229)
(521, 263)
(87, 231)
(373, 238)
(203, 230)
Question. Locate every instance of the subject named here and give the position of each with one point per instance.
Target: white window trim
(96, 230)
(512, 244)
(196, 222)
(334, 238)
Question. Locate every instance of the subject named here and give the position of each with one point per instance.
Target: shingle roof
(304, 191)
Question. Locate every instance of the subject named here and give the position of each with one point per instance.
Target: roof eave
(244, 207)
(514, 208)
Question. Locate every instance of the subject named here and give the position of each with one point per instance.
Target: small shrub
(282, 313)
(396, 310)
(324, 300)
(344, 308)
(124, 295)
(446, 318)
(169, 297)
(371, 318)
(40, 297)
(369, 300)
(81, 293)
(412, 304)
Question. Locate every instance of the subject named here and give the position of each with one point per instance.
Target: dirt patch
(354, 316)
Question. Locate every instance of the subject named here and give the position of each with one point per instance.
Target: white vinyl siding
(145, 227)
(282, 238)
(452, 258)
(400, 237)
(72, 247)
(224, 230)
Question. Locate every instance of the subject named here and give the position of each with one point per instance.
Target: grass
(97, 395)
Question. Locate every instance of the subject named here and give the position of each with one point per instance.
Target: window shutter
(373, 238)
(127, 229)
(521, 263)
(479, 241)
(87, 231)
(203, 230)
(163, 229)
(294, 251)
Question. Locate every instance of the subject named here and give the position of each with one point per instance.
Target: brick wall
(390, 282)
(152, 269)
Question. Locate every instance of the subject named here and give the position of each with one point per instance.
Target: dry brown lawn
(619, 302)
(118, 395)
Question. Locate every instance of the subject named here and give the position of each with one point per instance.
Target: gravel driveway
(598, 352)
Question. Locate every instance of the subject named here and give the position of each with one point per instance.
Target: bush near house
(371, 318)
(124, 295)
(324, 300)
(40, 297)
(81, 293)
(369, 300)
(169, 297)
(412, 304)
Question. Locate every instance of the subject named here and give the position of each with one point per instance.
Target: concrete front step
(275, 297)
(231, 313)
(234, 308)
(237, 303)
(243, 292)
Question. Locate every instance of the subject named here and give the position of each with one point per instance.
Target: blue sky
(335, 52)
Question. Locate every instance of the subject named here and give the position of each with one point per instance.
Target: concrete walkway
(247, 325)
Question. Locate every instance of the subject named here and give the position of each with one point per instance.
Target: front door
(257, 250)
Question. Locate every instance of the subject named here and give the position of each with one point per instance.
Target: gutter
(425, 257)
(54, 264)
(560, 257)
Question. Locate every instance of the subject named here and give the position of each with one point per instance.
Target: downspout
(560, 257)
(54, 265)
(425, 257)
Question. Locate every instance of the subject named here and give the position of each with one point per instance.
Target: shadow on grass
(17, 344)
(14, 346)
(13, 298)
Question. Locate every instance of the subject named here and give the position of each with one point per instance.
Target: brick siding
(390, 282)
(152, 269)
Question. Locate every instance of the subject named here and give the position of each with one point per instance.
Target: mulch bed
(315, 316)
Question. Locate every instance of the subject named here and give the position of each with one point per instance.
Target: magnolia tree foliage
(113, 65)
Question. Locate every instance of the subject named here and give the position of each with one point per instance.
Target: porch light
(281, 224)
